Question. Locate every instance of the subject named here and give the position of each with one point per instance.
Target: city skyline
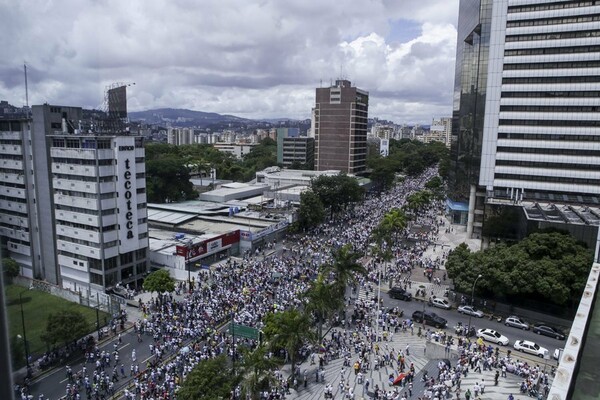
(253, 60)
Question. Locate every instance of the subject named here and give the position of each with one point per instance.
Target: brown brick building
(340, 128)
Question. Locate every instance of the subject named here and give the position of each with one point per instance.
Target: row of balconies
(14, 220)
(10, 191)
(14, 178)
(11, 135)
(12, 149)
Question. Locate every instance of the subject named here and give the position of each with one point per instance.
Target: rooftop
(565, 213)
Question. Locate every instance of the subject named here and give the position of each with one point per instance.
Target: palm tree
(345, 267)
(418, 200)
(290, 329)
(323, 300)
(257, 371)
(392, 223)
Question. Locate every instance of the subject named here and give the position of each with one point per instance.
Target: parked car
(400, 294)
(558, 354)
(516, 322)
(430, 318)
(493, 336)
(469, 310)
(550, 331)
(526, 346)
(439, 302)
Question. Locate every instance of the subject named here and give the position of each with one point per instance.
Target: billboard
(384, 147)
(127, 215)
(117, 102)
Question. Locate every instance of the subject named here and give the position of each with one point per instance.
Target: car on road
(493, 336)
(400, 294)
(526, 346)
(469, 310)
(516, 322)
(557, 354)
(430, 318)
(550, 331)
(440, 303)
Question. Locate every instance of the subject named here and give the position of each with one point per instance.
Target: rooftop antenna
(26, 88)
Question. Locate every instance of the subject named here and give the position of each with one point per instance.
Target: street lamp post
(472, 300)
(24, 330)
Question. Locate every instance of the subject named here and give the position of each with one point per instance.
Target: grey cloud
(223, 55)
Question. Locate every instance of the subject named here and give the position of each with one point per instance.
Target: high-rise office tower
(73, 208)
(340, 128)
(526, 116)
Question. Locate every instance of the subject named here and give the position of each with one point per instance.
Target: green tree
(345, 267)
(159, 281)
(290, 330)
(168, 180)
(257, 370)
(11, 269)
(323, 300)
(337, 192)
(311, 211)
(547, 266)
(383, 172)
(260, 157)
(418, 200)
(211, 379)
(65, 326)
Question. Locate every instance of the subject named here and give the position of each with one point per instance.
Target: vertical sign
(384, 147)
(127, 193)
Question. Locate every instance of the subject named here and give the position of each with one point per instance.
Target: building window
(96, 279)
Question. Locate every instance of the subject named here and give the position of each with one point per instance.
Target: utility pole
(26, 345)
(98, 313)
(233, 344)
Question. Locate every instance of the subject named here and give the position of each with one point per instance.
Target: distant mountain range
(183, 117)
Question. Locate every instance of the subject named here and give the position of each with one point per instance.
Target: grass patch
(37, 306)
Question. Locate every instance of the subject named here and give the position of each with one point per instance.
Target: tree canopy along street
(169, 167)
(551, 266)
(407, 157)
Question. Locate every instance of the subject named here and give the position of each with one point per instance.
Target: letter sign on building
(127, 194)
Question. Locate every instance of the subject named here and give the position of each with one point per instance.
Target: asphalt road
(53, 385)
(454, 317)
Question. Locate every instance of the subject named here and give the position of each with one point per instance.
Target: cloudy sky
(251, 58)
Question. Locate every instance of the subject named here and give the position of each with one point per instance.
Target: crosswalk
(423, 359)
(335, 371)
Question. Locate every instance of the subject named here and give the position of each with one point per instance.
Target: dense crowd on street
(182, 333)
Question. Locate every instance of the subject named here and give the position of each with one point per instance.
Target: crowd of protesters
(182, 333)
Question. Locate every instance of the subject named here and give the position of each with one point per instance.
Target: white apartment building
(99, 190)
(180, 136)
(18, 217)
(441, 130)
(72, 205)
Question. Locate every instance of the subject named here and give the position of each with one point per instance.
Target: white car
(557, 354)
(516, 322)
(440, 303)
(491, 335)
(526, 346)
(468, 310)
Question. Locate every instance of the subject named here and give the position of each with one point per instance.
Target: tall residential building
(441, 130)
(340, 128)
(180, 136)
(297, 150)
(526, 115)
(283, 133)
(73, 208)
